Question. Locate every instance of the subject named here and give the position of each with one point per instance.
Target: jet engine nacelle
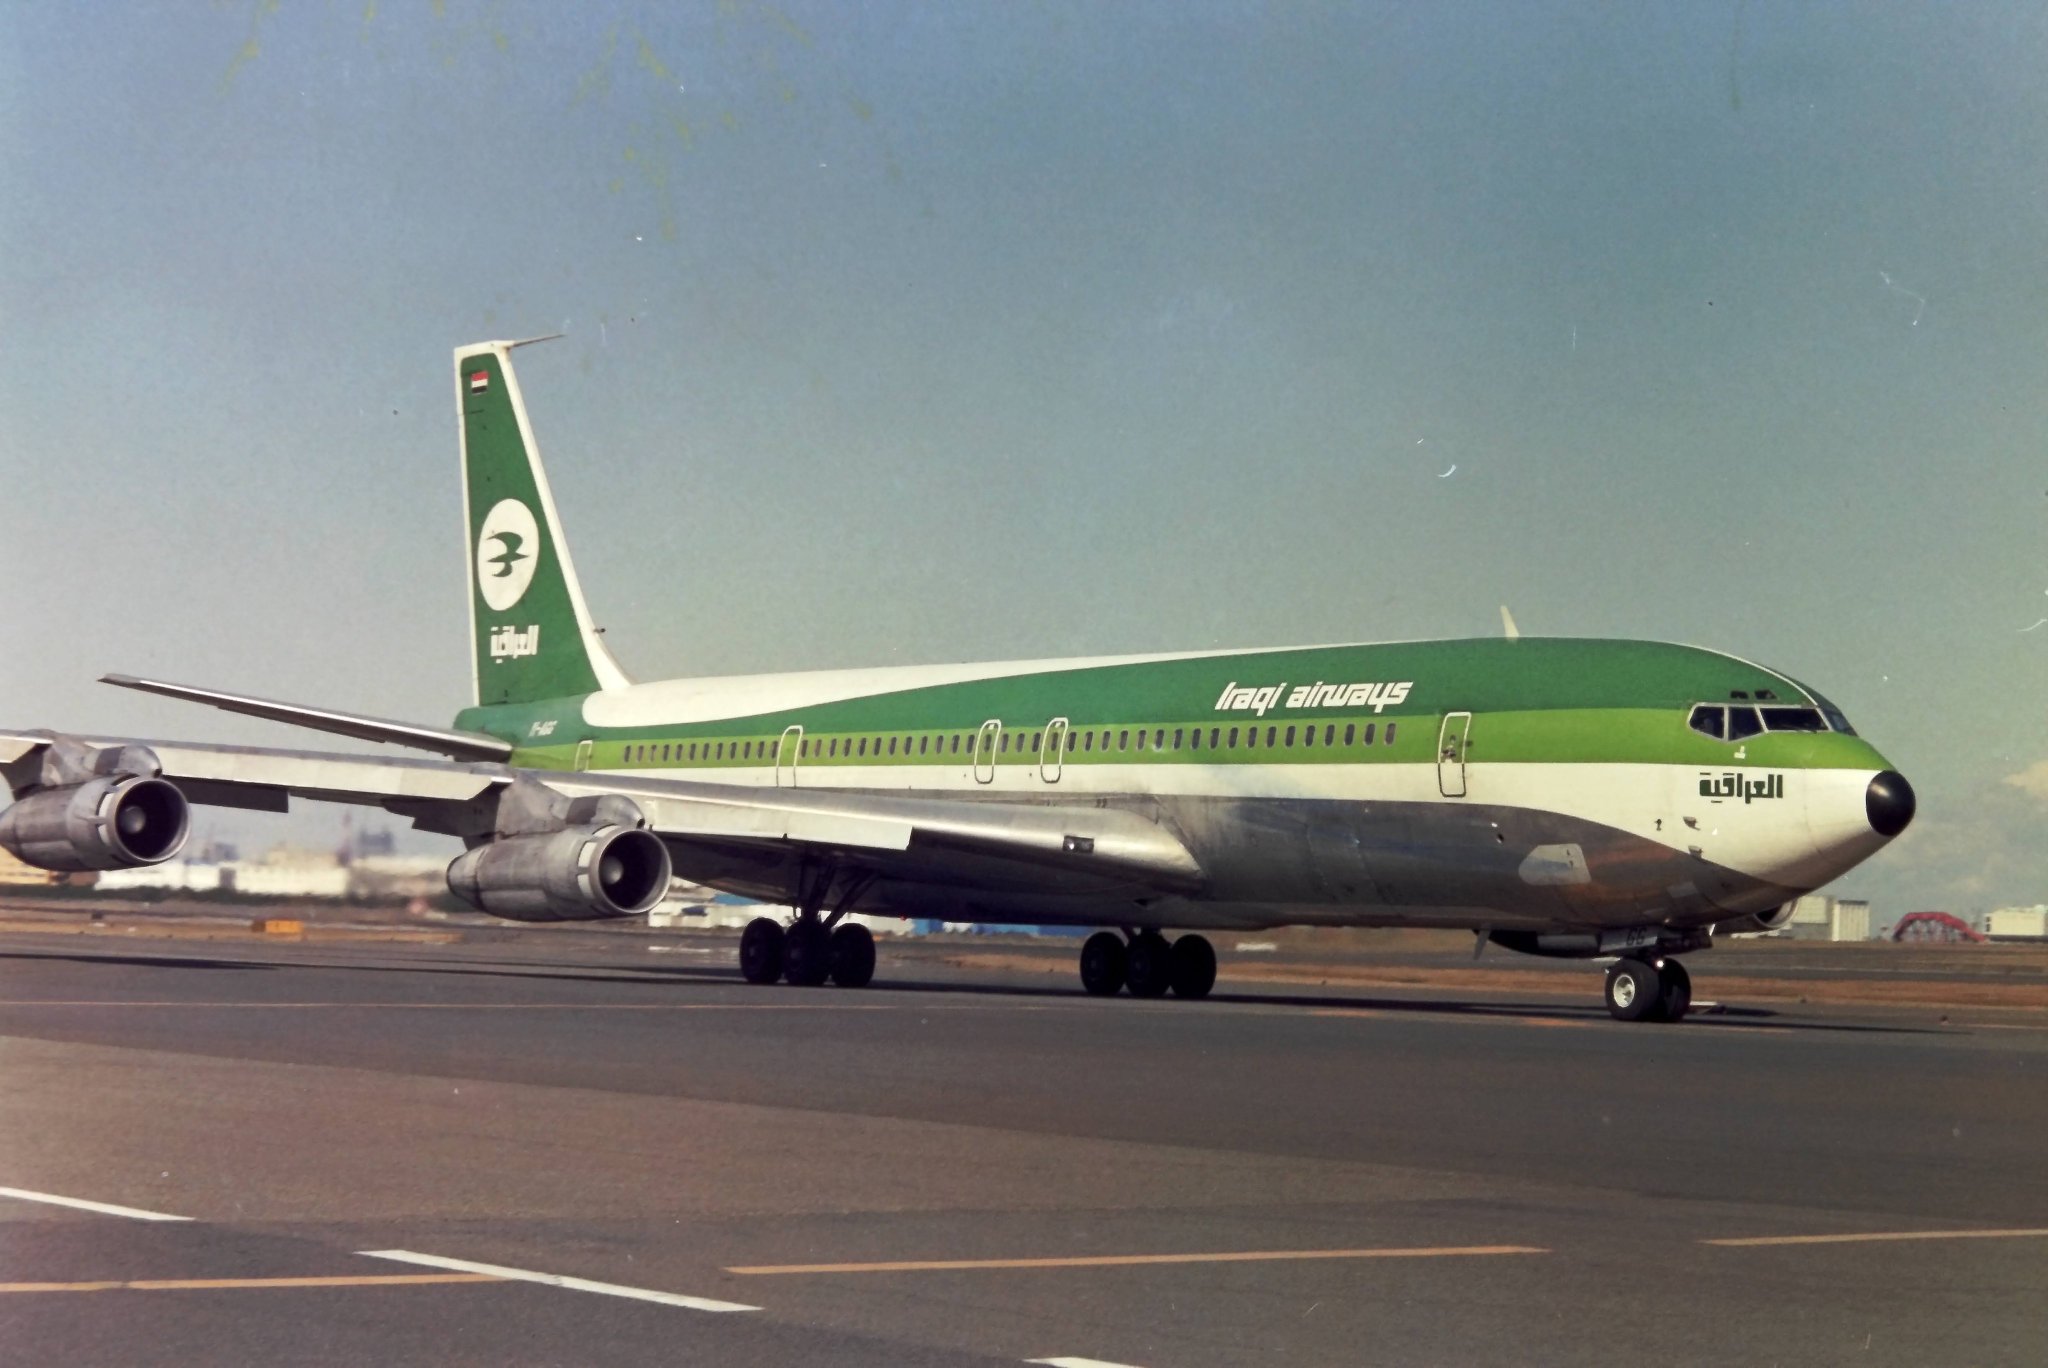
(1777, 919)
(583, 873)
(116, 821)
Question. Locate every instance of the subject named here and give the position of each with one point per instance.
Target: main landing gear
(1648, 990)
(815, 946)
(807, 952)
(1148, 964)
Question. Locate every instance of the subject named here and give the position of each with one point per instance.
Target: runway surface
(586, 1150)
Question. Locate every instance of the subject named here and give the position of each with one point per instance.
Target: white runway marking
(555, 1280)
(104, 1208)
(1078, 1363)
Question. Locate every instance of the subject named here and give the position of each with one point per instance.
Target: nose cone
(1888, 802)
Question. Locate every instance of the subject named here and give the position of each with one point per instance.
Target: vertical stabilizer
(530, 630)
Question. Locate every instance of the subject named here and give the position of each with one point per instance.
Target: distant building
(1819, 917)
(2017, 923)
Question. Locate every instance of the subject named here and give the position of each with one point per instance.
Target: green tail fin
(532, 634)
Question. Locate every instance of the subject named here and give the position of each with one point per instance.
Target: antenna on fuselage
(1507, 624)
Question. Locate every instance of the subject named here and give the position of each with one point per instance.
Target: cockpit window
(1709, 719)
(1743, 723)
(1794, 720)
(1836, 722)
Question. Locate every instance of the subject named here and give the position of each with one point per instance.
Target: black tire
(806, 956)
(1677, 991)
(1102, 964)
(1633, 990)
(1148, 965)
(1194, 966)
(853, 956)
(761, 951)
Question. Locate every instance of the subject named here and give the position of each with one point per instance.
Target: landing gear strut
(1148, 964)
(815, 946)
(1646, 990)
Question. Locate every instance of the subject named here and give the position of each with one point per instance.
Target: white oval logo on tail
(507, 550)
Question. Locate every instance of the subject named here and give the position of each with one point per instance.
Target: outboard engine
(556, 858)
(96, 808)
(1777, 919)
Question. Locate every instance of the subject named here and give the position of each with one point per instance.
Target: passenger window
(1330, 735)
(1177, 731)
(1088, 741)
(1290, 736)
(1195, 739)
(1004, 743)
(1350, 732)
(1037, 742)
(1710, 719)
(1214, 732)
(924, 745)
(863, 746)
(1390, 732)
(1233, 738)
(1123, 740)
(693, 750)
(1270, 731)
(1743, 723)
(1794, 720)
(1141, 738)
(721, 751)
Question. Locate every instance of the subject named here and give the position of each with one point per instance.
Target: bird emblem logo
(507, 553)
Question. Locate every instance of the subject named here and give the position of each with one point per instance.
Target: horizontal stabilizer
(461, 745)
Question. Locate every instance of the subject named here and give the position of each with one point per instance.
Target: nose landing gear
(1148, 964)
(1648, 990)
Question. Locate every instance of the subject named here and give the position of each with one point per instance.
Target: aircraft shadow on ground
(721, 977)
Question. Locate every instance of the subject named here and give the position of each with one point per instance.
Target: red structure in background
(1940, 927)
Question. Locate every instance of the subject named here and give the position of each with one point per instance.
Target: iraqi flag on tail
(479, 381)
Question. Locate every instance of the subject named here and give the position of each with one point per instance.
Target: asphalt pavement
(591, 1150)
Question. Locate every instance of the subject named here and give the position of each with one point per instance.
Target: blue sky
(909, 333)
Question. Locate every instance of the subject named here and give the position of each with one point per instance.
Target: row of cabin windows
(1087, 740)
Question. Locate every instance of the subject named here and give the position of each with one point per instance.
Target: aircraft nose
(1889, 803)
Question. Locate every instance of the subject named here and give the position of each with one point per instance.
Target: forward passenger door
(1452, 743)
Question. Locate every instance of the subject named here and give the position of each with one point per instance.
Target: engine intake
(1777, 919)
(117, 821)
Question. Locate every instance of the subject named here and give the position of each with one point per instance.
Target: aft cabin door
(788, 751)
(1452, 743)
(1053, 756)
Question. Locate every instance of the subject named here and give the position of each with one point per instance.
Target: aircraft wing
(748, 838)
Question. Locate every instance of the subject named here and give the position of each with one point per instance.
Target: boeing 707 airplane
(1621, 801)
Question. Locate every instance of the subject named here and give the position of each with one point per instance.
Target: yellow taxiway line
(1878, 1237)
(1126, 1260)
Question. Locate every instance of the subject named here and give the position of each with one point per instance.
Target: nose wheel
(1640, 990)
